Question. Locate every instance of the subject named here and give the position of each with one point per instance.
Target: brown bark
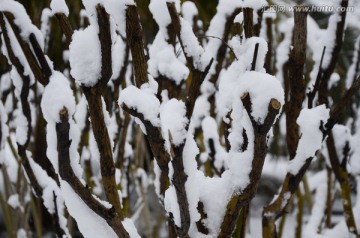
(135, 42)
(248, 22)
(296, 81)
(32, 60)
(65, 26)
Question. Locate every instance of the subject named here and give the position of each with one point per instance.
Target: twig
(312, 93)
(223, 42)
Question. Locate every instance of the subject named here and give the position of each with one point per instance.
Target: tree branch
(135, 42)
(67, 174)
(238, 202)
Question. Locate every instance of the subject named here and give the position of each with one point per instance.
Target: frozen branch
(238, 202)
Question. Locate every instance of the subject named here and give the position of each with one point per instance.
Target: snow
(173, 122)
(351, 74)
(49, 188)
(54, 101)
(90, 224)
(250, 83)
(51, 104)
(342, 137)
(163, 61)
(14, 201)
(46, 25)
(171, 204)
(329, 38)
(354, 142)
(283, 48)
(117, 55)
(4, 132)
(189, 11)
(201, 109)
(192, 47)
(256, 5)
(130, 228)
(5, 82)
(143, 101)
(85, 56)
(59, 6)
(161, 14)
(21, 126)
(317, 212)
(22, 20)
(21, 233)
(311, 137)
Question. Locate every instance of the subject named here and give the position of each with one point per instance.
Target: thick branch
(248, 22)
(238, 202)
(296, 80)
(68, 175)
(32, 60)
(101, 135)
(105, 43)
(65, 26)
(135, 42)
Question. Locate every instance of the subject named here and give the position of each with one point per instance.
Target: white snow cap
(262, 88)
(59, 6)
(173, 120)
(189, 11)
(85, 56)
(53, 101)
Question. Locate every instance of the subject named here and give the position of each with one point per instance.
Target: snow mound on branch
(90, 224)
(59, 6)
(189, 11)
(173, 121)
(192, 47)
(160, 13)
(163, 61)
(57, 95)
(262, 88)
(311, 137)
(85, 56)
(143, 101)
